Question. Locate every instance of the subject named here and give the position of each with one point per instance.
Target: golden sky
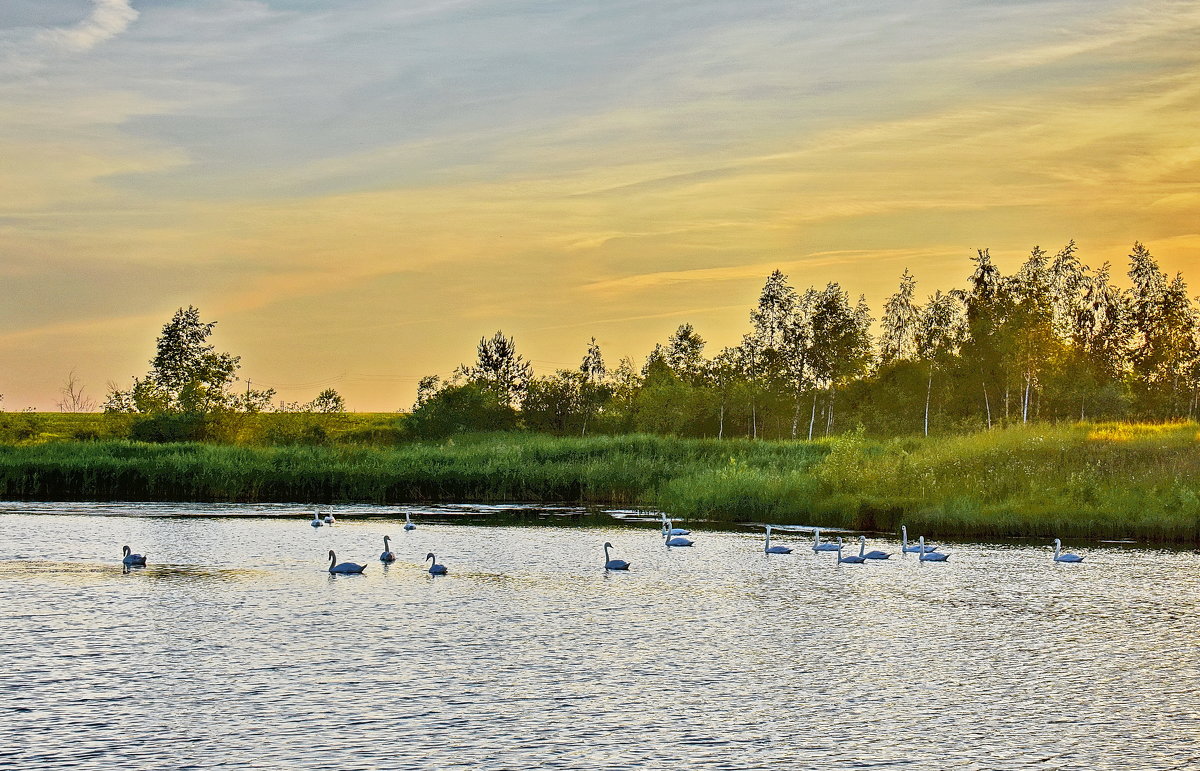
(358, 190)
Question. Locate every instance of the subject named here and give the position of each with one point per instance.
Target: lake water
(236, 648)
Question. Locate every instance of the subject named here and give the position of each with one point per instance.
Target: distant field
(1102, 480)
(256, 429)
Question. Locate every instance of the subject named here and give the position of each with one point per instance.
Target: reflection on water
(235, 645)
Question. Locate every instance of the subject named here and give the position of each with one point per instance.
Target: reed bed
(1072, 481)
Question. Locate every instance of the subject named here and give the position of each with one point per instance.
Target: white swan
(853, 559)
(343, 567)
(408, 525)
(676, 540)
(668, 530)
(316, 520)
(129, 558)
(387, 555)
(914, 548)
(904, 547)
(871, 555)
(769, 549)
(1060, 556)
(435, 569)
(329, 520)
(818, 546)
(930, 556)
(611, 564)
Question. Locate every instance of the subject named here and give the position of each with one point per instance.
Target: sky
(358, 190)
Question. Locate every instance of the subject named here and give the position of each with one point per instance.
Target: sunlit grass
(1079, 481)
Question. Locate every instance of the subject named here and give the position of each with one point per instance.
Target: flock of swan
(672, 536)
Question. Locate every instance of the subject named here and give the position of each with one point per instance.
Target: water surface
(235, 647)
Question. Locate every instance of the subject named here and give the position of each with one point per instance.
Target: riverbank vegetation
(1008, 407)
(1081, 481)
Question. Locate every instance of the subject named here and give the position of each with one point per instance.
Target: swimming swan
(818, 546)
(343, 567)
(129, 558)
(677, 540)
(387, 555)
(668, 530)
(435, 569)
(1060, 556)
(769, 549)
(871, 555)
(930, 556)
(610, 564)
(408, 525)
(853, 559)
(904, 547)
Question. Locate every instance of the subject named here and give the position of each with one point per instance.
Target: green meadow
(1108, 480)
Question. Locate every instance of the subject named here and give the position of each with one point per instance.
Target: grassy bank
(1073, 481)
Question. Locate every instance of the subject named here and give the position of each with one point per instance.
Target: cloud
(108, 19)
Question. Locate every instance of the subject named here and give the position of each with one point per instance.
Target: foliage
(187, 375)
(1081, 481)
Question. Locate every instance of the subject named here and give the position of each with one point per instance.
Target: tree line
(1057, 340)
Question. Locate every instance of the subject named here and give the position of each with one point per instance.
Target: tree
(841, 343)
(594, 393)
(553, 403)
(941, 331)
(73, 397)
(776, 306)
(985, 303)
(1163, 343)
(897, 340)
(187, 374)
(458, 408)
(1032, 328)
(684, 354)
(499, 367)
(328, 401)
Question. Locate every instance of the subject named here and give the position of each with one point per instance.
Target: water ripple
(234, 648)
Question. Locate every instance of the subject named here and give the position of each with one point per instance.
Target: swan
(818, 546)
(435, 569)
(129, 558)
(316, 520)
(387, 555)
(408, 525)
(853, 559)
(675, 541)
(1060, 556)
(668, 530)
(343, 567)
(329, 520)
(871, 555)
(904, 547)
(769, 549)
(930, 556)
(610, 564)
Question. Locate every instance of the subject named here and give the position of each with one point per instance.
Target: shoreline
(1082, 481)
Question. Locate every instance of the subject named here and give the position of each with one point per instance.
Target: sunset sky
(358, 190)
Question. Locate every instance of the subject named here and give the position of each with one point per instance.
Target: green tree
(941, 332)
(897, 339)
(187, 374)
(841, 344)
(328, 401)
(500, 368)
(684, 354)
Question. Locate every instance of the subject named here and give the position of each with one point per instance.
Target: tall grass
(1080, 481)
(501, 467)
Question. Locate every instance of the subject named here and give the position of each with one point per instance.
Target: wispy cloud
(108, 19)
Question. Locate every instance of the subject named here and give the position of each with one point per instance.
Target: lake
(235, 647)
